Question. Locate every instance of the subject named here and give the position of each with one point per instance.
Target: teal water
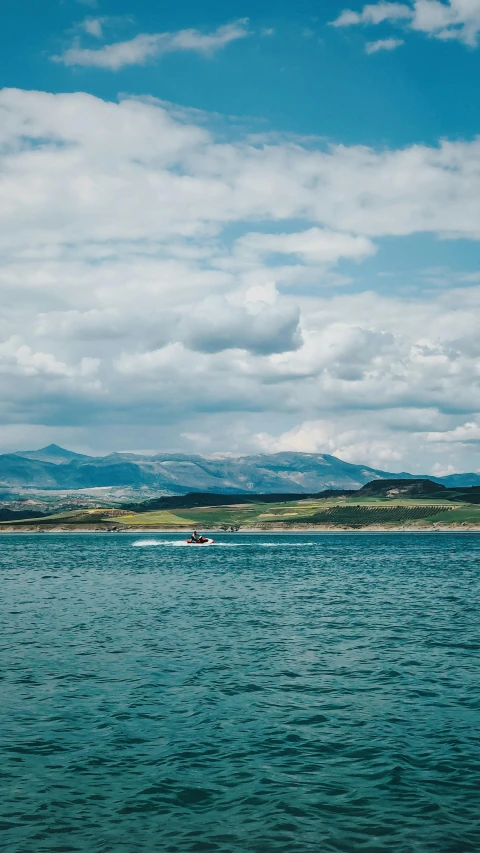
(273, 693)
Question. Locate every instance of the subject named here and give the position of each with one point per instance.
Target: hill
(387, 490)
(419, 487)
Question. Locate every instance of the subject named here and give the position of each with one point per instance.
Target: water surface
(271, 694)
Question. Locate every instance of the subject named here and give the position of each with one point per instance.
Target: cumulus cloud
(455, 19)
(383, 44)
(322, 436)
(468, 432)
(16, 357)
(217, 325)
(145, 46)
(156, 280)
(374, 13)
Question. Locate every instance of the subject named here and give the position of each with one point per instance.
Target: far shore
(36, 528)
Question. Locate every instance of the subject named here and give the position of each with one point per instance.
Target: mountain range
(55, 468)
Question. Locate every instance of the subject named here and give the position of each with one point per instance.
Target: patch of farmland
(358, 515)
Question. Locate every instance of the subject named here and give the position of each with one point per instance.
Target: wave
(143, 543)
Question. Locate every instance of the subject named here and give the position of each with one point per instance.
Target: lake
(272, 693)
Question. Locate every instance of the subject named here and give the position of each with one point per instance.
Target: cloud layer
(158, 282)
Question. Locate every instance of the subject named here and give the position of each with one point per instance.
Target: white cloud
(315, 246)
(62, 184)
(339, 351)
(207, 43)
(17, 357)
(360, 441)
(93, 26)
(456, 19)
(323, 436)
(145, 46)
(262, 328)
(374, 13)
(383, 44)
(467, 432)
(158, 281)
(83, 325)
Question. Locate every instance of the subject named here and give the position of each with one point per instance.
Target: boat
(202, 540)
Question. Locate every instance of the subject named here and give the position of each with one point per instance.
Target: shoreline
(251, 530)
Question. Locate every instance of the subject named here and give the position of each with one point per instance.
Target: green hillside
(337, 513)
(417, 505)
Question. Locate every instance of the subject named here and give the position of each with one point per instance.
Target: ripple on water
(270, 694)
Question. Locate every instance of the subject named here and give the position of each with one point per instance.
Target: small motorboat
(202, 540)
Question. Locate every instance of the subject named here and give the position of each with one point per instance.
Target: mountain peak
(51, 453)
(57, 450)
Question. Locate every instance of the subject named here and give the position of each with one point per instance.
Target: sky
(242, 228)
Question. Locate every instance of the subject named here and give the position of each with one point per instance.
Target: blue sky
(307, 78)
(244, 230)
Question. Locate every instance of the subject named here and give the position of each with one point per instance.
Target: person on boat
(196, 537)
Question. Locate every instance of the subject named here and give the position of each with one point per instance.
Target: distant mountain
(54, 467)
(52, 453)
(455, 481)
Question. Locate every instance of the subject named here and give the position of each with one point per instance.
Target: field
(350, 513)
(354, 512)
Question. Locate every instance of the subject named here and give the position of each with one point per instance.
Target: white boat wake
(144, 543)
